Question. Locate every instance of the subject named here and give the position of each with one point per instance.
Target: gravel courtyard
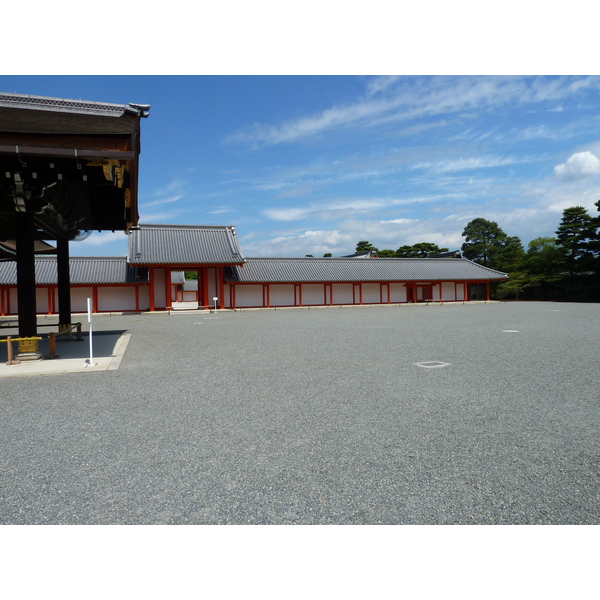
(317, 416)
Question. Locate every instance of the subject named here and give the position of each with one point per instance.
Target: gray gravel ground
(317, 416)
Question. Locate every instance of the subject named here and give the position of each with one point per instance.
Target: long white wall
(322, 294)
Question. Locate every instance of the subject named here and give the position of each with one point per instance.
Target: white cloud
(163, 201)
(580, 165)
(463, 164)
(286, 214)
(399, 221)
(407, 98)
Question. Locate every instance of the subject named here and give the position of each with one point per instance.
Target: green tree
(364, 246)
(420, 250)
(543, 264)
(574, 233)
(512, 255)
(484, 242)
(386, 253)
(544, 259)
(327, 255)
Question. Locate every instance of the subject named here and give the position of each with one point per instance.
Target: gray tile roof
(184, 245)
(64, 105)
(286, 270)
(83, 270)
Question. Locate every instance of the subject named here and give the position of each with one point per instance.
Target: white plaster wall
(342, 293)
(371, 293)
(397, 292)
(14, 305)
(312, 293)
(116, 299)
(448, 293)
(460, 291)
(41, 300)
(281, 294)
(248, 295)
(79, 298)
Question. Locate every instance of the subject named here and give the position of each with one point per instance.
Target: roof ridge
(170, 226)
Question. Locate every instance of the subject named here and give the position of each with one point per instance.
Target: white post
(90, 360)
(215, 301)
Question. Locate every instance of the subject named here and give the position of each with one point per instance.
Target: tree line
(564, 267)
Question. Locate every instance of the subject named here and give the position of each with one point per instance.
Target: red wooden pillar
(95, 299)
(487, 290)
(266, 295)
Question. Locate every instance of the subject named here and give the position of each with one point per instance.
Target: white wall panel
(116, 299)
(371, 293)
(448, 293)
(397, 292)
(313, 293)
(79, 298)
(248, 295)
(281, 294)
(342, 293)
(41, 300)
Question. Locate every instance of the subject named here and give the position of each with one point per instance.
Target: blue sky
(313, 164)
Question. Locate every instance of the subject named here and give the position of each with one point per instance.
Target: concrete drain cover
(432, 364)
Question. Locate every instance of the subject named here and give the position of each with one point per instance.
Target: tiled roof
(184, 245)
(83, 270)
(63, 105)
(286, 270)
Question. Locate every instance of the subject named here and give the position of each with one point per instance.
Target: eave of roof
(64, 105)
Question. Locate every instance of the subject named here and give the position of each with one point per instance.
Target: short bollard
(9, 352)
(52, 346)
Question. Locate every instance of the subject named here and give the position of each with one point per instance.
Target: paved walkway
(106, 352)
